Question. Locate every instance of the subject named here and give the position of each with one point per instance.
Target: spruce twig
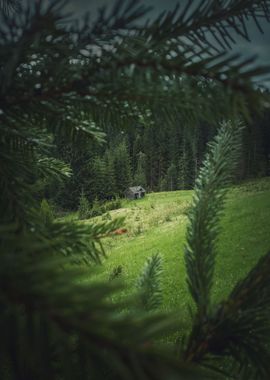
(208, 204)
(149, 283)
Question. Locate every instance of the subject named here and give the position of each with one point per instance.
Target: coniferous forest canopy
(91, 105)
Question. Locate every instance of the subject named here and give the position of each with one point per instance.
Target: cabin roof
(136, 189)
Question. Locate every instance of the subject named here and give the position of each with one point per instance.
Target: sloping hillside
(158, 224)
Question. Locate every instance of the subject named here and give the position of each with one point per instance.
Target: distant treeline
(158, 156)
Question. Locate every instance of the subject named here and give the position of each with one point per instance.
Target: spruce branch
(148, 283)
(238, 327)
(48, 167)
(7, 6)
(201, 21)
(90, 73)
(208, 203)
(81, 243)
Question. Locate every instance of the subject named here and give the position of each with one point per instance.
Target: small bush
(99, 208)
(96, 209)
(84, 207)
(113, 204)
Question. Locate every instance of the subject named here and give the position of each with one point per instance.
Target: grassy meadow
(158, 223)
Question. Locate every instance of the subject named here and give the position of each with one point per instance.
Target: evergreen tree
(84, 207)
(171, 177)
(256, 148)
(99, 180)
(140, 176)
(81, 162)
(110, 185)
(183, 172)
(122, 169)
(137, 148)
(151, 159)
(163, 184)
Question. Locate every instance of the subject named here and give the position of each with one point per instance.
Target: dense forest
(157, 153)
(89, 107)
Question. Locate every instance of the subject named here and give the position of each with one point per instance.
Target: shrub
(99, 208)
(84, 207)
(113, 204)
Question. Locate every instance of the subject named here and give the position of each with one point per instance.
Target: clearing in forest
(158, 222)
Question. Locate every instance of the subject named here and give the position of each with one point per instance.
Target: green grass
(158, 222)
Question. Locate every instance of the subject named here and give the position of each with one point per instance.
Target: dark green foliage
(98, 208)
(58, 96)
(121, 167)
(102, 183)
(184, 173)
(238, 327)
(47, 212)
(84, 207)
(149, 283)
(256, 149)
(114, 204)
(46, 333)
(10, 6)
(81, 160)
(183, 148)
(140, 173)
(208, 201)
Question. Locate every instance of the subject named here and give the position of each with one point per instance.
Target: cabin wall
(130, 195)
